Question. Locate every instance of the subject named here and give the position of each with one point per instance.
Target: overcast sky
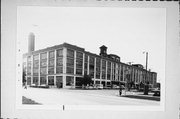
(127, 32)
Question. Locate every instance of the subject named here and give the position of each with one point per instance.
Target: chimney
(103, 51)
(31, 42)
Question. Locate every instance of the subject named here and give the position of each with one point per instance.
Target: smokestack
(31, 42)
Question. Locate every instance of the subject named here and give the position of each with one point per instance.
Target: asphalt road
(56, 96)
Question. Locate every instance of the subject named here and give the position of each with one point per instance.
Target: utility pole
(146, 85)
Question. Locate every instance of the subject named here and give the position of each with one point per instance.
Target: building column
(64, 66)
(31, 68)
(123, 73)
(55, 56)
(100, 69)
(111, 72)
(119, 72)
(74, 68)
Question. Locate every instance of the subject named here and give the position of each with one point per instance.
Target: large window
(91, 66)
(42, 80)
(51, 70)
(70, 70)
(109, 71)
(59, 81)
(103, 69)
(98, 67)
(70, 62)
(51, 80)
(36, 57)
(43, 55)
(60, 53)
(59, 61)
(85, 64)
(59, 70)
(69, 80)
(70, 53)
(51, 54)
(35, 71)
(35, 80)
(28, 80)
(43, 63)
(51, 62)
(43, 70)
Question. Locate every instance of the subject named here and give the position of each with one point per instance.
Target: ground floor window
(42, 80)
(78, 81)
(103, 82)
(35, 80)
(97, 82)
(28, 80)
(69, 80)
(59, 81)
(51, 80)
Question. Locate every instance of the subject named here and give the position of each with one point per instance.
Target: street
(54, 96)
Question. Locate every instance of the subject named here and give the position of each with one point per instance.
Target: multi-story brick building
(66, 64)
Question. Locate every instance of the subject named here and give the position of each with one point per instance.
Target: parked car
(98, 86)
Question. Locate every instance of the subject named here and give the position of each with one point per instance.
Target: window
(59, 52)
(51, 54)
(43, 70)
(51, 70)
(59, 81)
(29, 58)
(91, 60)
(35, 80)
(51, 80)
(36, 57)
(86, 58)
(28, 80)
(79, 63)
(70, 62)
(43, 63)
(70, 53)
(79, 71)
(70, 70)
(59, 70)
(79, 55)
(43, 55)
(36, 64)
(69, 81)
(35, 71)
(60, 61)
(42, 80)
(51, 62)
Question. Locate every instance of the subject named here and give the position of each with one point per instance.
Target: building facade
(65, 64)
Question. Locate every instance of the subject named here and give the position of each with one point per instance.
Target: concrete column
(106, 73)
(31, 68)
(75, 62)
(83, 63)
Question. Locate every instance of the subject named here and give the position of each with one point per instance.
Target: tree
(24, 78)
(86, 80)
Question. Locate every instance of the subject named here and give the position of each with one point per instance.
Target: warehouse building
(66, 64)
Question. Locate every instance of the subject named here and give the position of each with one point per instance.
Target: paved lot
(54, 96)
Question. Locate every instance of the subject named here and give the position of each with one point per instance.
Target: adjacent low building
(65, 64)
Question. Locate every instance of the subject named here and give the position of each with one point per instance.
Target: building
(65, 64)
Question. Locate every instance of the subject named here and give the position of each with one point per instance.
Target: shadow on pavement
(146, 97)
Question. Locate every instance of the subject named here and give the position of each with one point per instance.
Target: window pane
(51, 62)
(51, 80)
(79, 63)
(36, 57)
(42, 80)
(60, 61)
(59, 70)
(70, 53)
(79, 55)
(70, 70)
(43, 63)
(35, 80)
(35, 71)
(51, 54)
(43, 70)
(70, 62)
(36, 64)
(69, 81)
(28, 80)
(44, 56)
(79, 71)
(59, 52)
(51, 70)
(91, 60)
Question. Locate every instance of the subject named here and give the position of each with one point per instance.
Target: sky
(127, 32)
